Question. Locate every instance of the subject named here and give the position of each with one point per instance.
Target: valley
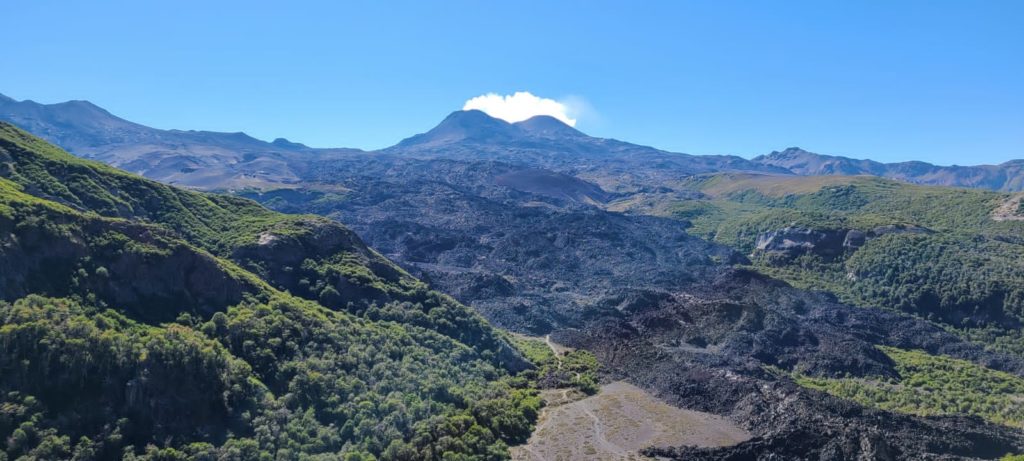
(512, 231)
(663, 305)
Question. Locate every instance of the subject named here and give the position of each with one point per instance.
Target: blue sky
(930, 80)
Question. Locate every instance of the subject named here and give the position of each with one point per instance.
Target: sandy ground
(1008, 210)
(616, 423)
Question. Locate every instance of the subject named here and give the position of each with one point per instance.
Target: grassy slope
(381, 366)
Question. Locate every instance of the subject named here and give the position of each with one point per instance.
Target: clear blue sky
(939, 81)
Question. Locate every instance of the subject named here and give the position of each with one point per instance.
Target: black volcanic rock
(555, 185)
(461, 226)
(706, 347)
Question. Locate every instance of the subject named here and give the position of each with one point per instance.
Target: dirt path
(607, 447)
(617, 423)
(559, 351)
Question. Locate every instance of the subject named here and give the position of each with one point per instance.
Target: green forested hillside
(138, 320)
(941, 253)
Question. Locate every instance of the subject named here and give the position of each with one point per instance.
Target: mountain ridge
(1007, 176)
(191, 158)
(212, 160)
(216, 160)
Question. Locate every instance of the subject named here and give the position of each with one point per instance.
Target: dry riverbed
(616, 423)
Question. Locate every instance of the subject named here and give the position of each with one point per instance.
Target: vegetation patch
(559, 368)
(933, 385)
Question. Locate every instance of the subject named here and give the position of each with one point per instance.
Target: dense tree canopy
(140, 321)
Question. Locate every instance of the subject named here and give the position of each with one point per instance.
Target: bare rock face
(795, 241)
(790, 242)
(855, 239)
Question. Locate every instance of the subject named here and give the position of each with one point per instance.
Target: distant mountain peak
(464, 125)
(74, 103)
(286, 144)
(471, 119)
(477, 126)
(789, 152)
(88, 130)
(546, 125)
(83, 106)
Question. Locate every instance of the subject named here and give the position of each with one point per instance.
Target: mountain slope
(211, 160)
(472, 125)
(1008, 176)
(137, 319)
(200, 159)
(545, 142)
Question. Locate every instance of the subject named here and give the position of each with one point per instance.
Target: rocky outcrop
(278, 255)
(302, 239)
(793, 241)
